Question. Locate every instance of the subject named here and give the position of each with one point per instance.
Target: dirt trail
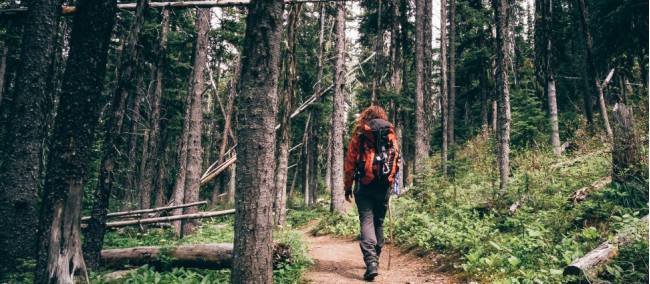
(339, 260)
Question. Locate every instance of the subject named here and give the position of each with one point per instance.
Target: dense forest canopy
(221, 127)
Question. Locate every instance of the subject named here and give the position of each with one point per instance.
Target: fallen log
(214, 256)
(593, 262)
(206, 214)
(207, 177)
(581, 194)
(150, 210)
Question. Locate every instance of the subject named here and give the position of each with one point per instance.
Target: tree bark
(421, 148)
(626, 154)
(256, 131)
(129, 67)
(59, 245)
(197, 88)
(503, 93)
(338, 115)
(444, 95)
(26, 131)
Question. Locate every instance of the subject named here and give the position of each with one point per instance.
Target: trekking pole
(390, 232)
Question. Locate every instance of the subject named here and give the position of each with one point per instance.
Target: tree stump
(626, 162)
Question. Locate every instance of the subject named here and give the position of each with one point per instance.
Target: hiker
(372, 163)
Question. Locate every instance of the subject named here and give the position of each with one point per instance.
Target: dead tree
(256, 149)
(626, 155)
(338, 115)
(129, 62)
(210, 256)
(59, 245)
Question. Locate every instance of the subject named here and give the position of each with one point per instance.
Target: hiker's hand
(348, 196)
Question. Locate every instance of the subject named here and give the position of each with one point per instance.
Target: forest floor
(339, 260)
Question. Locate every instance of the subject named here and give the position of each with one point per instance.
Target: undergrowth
(466, 218)
(217, 230)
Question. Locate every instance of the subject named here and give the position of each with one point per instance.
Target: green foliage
(338, 224)
(218, 230)
(464, 221)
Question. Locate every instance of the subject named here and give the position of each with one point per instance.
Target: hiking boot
(371, 271)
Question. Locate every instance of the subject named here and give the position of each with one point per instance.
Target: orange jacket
(369, 154)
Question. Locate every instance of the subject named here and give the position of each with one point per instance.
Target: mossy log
(593, 262)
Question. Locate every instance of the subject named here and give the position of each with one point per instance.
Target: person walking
(371, 164)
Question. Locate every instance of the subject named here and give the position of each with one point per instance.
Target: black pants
(372, 203)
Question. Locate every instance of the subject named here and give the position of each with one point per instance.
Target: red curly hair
(370, 113)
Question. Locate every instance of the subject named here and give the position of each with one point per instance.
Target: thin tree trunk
(197, 87)
(318, 87)
(131, 170)
(421, 150)
(26, 131)
(160, 199)
(3, 69)
(379, 46)
(503, 92)
(444, 152)
(252, 259)
(547, 18)
(338, 115)
(452, 77)
(429, 102)
(150, 161)
(129, 67)
(60, 257)
(285, 125)
(306, 157)
(591, 66)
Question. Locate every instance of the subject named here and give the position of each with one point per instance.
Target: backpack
(379, 149)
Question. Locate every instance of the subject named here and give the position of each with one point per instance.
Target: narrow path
(339, 260)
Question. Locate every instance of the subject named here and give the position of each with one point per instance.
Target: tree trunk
(379, 47)
(421, 148)
(429, 102)
(285, 125)
(59, 246)
(503, 93)
(150, 161)
(26, 131)
(135, 118)
(626, 155)
(129, 67)
(317, 90)
(452, 77)
(338, 115)
(444, 95)
(306, 158)
(196, 89)
(256, 131)
(3, 68)
(591, 66)
(209, 256)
